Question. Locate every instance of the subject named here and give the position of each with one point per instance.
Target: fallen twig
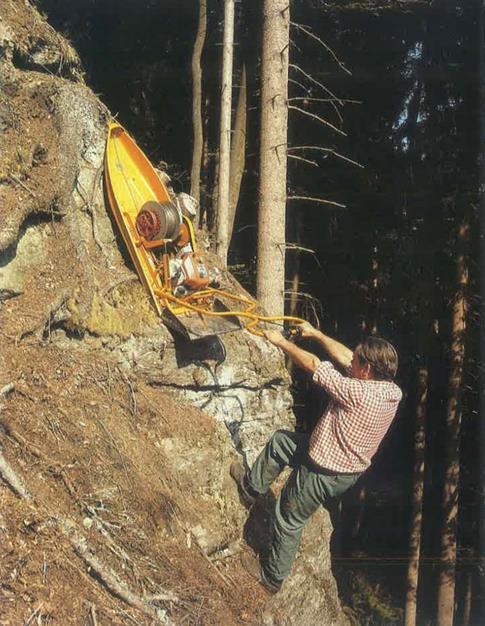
(17, 180)
(52, 466)
(115, 445)
(92, 615)
(133, 406)
(10, 477)
(33, 614)
(109, 578)
(6, 390)
(226, 580)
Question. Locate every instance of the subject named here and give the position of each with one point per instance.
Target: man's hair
(380, 355)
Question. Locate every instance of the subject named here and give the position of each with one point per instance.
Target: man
(326, 463)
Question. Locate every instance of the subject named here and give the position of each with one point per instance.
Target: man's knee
(278, 441)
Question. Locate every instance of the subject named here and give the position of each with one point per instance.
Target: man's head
(374, 359)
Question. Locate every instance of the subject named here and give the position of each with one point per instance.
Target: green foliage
(371, 605)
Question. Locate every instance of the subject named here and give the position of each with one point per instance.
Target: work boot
(238, 473)
(253, 567)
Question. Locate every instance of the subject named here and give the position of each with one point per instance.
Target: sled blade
(196, 325)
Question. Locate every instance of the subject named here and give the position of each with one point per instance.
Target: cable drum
(157, 220)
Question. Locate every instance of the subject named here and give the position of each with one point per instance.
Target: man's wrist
(284, 343)
(318, 335)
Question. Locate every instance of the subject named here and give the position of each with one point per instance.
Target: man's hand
(274, 336)
(338, 353)
(306, 330)
(302, 358)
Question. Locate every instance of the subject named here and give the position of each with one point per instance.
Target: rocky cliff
(116, 506)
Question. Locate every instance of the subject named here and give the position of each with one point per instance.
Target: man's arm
(338, 353)
(347, 391)
(306, 360)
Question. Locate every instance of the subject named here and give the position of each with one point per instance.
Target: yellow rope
(255, 318)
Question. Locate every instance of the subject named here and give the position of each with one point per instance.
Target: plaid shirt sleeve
(346, 391)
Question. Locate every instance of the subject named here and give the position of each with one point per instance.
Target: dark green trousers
(305, 490)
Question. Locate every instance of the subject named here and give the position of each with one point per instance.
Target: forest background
(396, 254)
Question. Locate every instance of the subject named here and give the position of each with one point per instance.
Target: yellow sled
(161, 243)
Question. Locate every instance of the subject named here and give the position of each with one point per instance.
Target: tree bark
(359, 514)
(467, 600)
(198, 133)
(273, 167)
(238, 152)
(222, 235)
(480, 594)
(418, 488)
(446, 590)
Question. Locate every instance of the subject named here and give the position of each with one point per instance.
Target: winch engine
(168, 226)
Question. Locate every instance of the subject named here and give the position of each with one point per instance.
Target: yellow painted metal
(131, 181)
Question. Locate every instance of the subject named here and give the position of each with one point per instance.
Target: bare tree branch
(308, 31)
(328, 150)
(322, 99)
(319, 200)
(299, 158)
(294, 246)
(315, 81)
(296, 82)
(320, 119)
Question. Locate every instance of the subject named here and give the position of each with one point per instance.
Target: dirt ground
(95, 447)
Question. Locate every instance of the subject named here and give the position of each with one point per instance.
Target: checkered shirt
(357, 417)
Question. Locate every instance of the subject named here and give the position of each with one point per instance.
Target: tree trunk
(358, 515)
(481, 195)
(238, 152)
(418, 487)
(197, 101)
(222, 234)
(274, 127)
(446, 591)
(467, 600)
(296, 266)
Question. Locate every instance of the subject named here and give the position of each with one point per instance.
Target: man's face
(359, 370)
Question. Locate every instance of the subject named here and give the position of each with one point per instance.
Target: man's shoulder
(385, 390)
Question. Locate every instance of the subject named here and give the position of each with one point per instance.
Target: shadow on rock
(257, 529)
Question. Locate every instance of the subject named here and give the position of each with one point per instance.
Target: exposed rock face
(68, 294)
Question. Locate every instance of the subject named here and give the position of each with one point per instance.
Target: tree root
(90, 208)
(43, 329)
